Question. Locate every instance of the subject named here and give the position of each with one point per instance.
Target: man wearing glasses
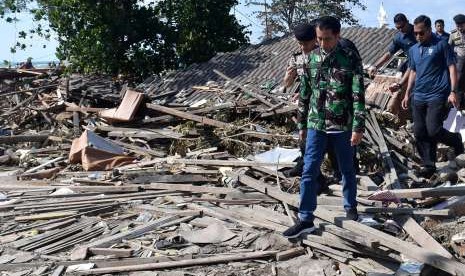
(432, 81)
(402, 40)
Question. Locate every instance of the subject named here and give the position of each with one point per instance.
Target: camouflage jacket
(332, 93)
(457, 41)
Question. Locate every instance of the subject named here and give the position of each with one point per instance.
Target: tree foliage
(203, 28)
(281, 16)
(132, 37)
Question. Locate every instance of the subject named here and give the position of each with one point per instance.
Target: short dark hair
(330, 23)
(399, 18)
(440, 21)
(423, 19)
(459, 18)
(305, 32)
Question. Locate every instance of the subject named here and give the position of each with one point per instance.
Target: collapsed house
(181, 175)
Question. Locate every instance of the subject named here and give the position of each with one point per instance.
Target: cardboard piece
(97, 153)
(127, 109)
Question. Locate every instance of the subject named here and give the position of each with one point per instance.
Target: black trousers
(428, 118)
(461, 80)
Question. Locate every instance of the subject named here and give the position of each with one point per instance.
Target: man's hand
(452, 99)
(372, 70)
(291, 74)
(394, 87)
(405, 101)
(295, 97)
(356, 138)
(303, 135)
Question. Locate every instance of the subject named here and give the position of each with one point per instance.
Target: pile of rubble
(97, 178)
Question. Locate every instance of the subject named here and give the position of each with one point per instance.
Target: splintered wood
(194, 182)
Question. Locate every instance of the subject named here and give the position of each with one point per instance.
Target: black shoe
(292, 173)
(301, 227)
(352, 214)
(296, 171)
(426, 172)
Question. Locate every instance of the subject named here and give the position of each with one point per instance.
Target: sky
(445, 9)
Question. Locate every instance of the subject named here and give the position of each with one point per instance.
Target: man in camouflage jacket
(457, 42)
(331, 111)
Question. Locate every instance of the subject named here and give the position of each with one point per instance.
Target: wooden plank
(228, 163)
(148, 133)
(44, 216)
(247, 91)
(183, 263)
(176, 178)
(328, 249)
(70, 241)
(117, 252)
(50, 236)
(406, 248)
(22, 139)
(289, 254)
(104, 208)
(91, 200)
(133, 233)
(286, 109)
(392, 178)
(395, 211)
(139, 150)
(83, 109)
(412, 251)
(189, 188)
(429, 192)
(418, 234)
(186, 115)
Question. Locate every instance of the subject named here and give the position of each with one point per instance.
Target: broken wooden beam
(186, 115)
(188, 188)
(419, 235)
(421, 192)
(23, 138)
(183, 263)
(116, 252)
(253, 94)
(415, 252)
(133, 233)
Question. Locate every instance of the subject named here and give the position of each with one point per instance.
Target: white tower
(382, 16)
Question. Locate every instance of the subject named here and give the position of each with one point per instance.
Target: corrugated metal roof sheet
(261, 63)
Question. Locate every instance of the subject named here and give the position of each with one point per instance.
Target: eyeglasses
(421, 33)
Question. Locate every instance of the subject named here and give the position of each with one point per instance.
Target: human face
(461, 27)
(307, 46)
(402, 26)
(422, 33)
(439, 28)
(327, 39)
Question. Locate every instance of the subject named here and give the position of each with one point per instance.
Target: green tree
(131, 37)
(203, 28)
(281, 16)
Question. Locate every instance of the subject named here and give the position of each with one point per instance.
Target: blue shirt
(403, 41)
(444, 36)
(431, 62)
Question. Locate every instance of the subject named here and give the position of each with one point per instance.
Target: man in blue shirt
(432, 81)
(440, 33)
(403, 40)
